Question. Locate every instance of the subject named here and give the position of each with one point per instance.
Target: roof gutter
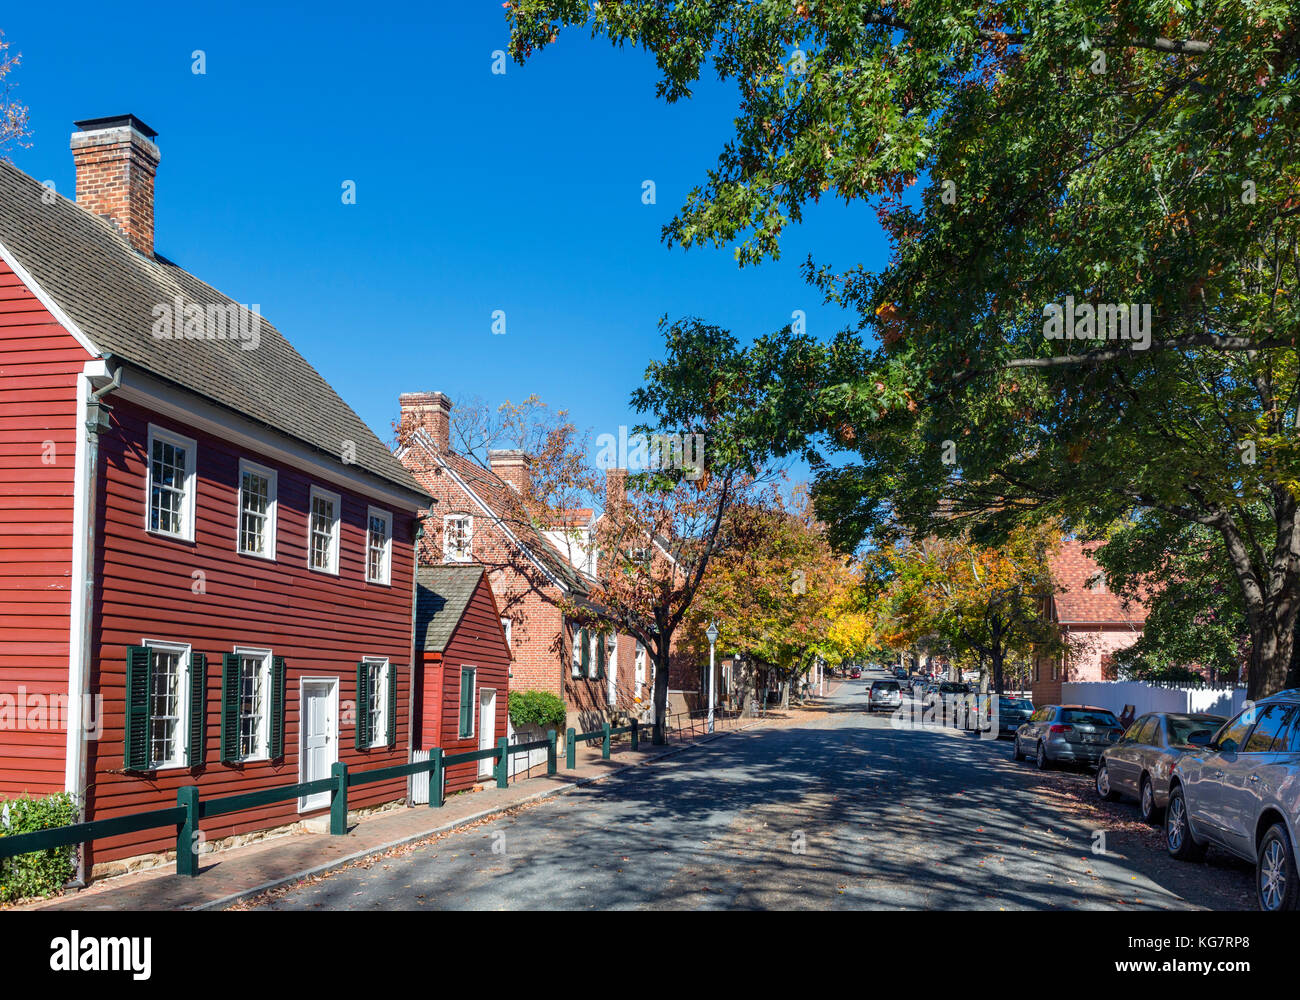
(97, 379)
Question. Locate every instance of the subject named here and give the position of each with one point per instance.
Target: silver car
(884, 694)
(1241, 793)
(1066, 734)
(1139, 765)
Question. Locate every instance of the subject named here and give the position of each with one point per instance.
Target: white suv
(1242, 793)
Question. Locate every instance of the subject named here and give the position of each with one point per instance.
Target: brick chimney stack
(116, 162)
(615, 488)
(512, 467)
(429, 412)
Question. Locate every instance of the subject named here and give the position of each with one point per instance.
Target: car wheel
(1015, 748)
(1178, 831)
(1276, 885)
(1147, 808)
(1043, 763)
(1104, 790)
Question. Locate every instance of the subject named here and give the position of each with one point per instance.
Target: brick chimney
(511, 466)
(430, 412)
(116, 161)
(615, 488)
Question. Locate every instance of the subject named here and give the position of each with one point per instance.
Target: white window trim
(469, 538)
(264, 736)
(182, 699)
(324, 494)
(379, 738)
(387, 577)
(594, 640)
(508, 626)
(576, 666)
(272, 508)
(191, 482)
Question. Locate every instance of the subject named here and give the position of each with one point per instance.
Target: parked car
(884, 694)
(1012, 713)
(900, 673)
(1241, 793)
(948, 698)
(1066, 734)
(1140, 764)
(855, 674)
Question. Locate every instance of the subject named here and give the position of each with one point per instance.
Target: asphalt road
(844, 812)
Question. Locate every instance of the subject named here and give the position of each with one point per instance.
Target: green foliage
(536, 708)
(1018, 155)
(42, 872)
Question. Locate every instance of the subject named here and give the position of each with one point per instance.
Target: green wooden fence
(190, 808)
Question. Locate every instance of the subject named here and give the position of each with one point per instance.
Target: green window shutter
(197, 751)
(392, 705)
(139, 683)
(229, 708)
(363, 707)
(466, 704)
(586, 652)
(277, 706)
(600, 657)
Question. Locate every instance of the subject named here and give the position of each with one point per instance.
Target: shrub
(536, 708)
(41, 872)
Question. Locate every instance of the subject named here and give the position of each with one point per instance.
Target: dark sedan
(1066, 734)
(1012, 714)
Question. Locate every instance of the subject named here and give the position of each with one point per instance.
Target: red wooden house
(206, 558)
(462, 663)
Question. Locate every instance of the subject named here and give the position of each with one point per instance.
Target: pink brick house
(1094, 620)
(480, 516)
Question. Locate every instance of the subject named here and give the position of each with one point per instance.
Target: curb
(547, 793)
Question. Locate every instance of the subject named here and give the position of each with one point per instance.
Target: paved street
(844, 811)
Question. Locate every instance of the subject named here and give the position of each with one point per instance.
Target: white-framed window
(578, 635)
(171, 484)
(594, 654)
(640, 666)
(254, 711)
(257, 506)
(169, 701)
(323, 515)
(379, 545)
(506, 625)
(458, 538)
(377, 681)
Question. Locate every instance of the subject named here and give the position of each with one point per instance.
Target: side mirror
(1227, 746)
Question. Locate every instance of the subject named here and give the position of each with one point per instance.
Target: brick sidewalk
(231, 875)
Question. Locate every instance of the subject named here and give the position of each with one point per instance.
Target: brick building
(1093, 620)
(480, 515)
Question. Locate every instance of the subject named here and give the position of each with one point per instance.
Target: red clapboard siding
(39, 364)
(477, 642)
(322, 625)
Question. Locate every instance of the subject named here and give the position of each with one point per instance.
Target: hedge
(536, 708)
(41, 872)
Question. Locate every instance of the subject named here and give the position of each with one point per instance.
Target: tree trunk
(997, 655)
(661, 697)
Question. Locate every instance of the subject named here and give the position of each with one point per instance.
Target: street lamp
(712, 633)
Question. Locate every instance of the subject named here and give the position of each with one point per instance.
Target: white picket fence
(1114, 695)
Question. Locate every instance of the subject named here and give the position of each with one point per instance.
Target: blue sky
(475, 192)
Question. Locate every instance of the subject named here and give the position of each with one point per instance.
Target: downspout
(92, 419)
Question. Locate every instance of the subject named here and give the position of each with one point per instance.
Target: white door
(318, 745)
(487, 727)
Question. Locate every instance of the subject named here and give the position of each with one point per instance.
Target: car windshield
(952, 687)
(1087, 717)
(1020, 704)
(886, 685)
(1182, 728)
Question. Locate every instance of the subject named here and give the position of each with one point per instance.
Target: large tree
(1044, 170)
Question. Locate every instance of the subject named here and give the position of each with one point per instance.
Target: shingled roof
(442, 593)
(1083, 596)
(503, 503)
(109, 290)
